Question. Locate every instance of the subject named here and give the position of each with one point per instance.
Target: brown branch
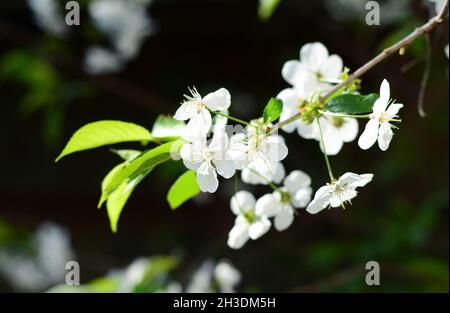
(402, 44)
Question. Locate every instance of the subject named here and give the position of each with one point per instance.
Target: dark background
(399, 220)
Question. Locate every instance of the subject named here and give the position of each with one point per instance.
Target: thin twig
(402, 44)
(425, 77)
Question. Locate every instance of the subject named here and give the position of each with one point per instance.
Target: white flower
(227, 276)
(208, 160)
(338, 192)
(336, 131)
(296, 193)
(378, 125)
(258, 151)
(196, 109)
(47, 14)
(125, 22)
(248, 224)
(101, 61)
(202, 278)
(315, 65)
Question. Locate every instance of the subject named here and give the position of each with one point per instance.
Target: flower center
(301, 103)
(198, 105)
(207, 155)
(337, 122)
(285, 197)
(383, 118)
(250, 216)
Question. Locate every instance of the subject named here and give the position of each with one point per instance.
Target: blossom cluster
(257, 151)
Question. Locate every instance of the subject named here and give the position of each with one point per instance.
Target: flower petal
(296, 180)
(209, 182)
(200, 122)
(274, 148)
(225, 168)
(284, 219)
(332, 67)
(218, 100)
(332, 140)
(259, 228)
(184, 112)
(381, 103)
(289, 98)
(385, 136)
(349, 130)
(279, 173)
(321, 200)
(291, 71)
(238, 236)
(219, 144)
(370, 135)
(393, 109)
(243, 201)
(355, 180)
(268, 205)
(308, 131)
(313, 55)
(190, 156)
(302, 197)
(237, 150)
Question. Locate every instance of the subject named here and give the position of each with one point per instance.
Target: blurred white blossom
(213, 277)
(99, 60)
(227, 276)
(48, 16)
(46, 267)
(125, 22)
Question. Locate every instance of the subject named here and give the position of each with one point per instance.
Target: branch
(402, 44)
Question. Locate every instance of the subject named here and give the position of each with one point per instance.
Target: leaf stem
(232, 118)
(327, 161)
(271, 184)
(343, 115)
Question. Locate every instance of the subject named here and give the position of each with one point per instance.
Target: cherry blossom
(258, 151)
(208, 160)
(316, 66)
(296, 193)
(248, 224)
(197, 109)
(379, 126)
(337, 131)
(338, 192)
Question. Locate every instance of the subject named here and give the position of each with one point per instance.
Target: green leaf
(184, 188)
(351, 104)
(119, 197)
(142, 165)
(272, 111)
(103, 133)
(127, 154)
(267, 8)
(167, 128)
